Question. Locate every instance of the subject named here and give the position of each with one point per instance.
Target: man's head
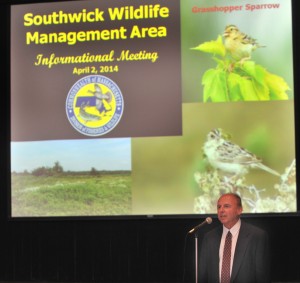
(229, 208)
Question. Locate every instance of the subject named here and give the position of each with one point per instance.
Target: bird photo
(229, 164)
(230, 158)
(238, 77)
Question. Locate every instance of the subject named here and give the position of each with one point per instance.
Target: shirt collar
(234, 229)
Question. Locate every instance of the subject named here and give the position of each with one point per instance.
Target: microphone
(208, 220)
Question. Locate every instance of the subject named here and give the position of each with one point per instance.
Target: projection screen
(138, 108)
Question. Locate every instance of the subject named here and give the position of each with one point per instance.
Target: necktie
(225, 272)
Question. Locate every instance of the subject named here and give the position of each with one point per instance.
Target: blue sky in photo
(72, 155)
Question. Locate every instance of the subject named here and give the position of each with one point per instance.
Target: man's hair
(237, 197)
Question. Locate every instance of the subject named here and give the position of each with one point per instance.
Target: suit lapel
(241, 247)
(215, 251)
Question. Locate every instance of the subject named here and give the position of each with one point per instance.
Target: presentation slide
(151, 108)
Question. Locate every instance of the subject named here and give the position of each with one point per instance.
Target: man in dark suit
(249, 261)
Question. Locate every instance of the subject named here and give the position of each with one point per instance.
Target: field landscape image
(71, 178)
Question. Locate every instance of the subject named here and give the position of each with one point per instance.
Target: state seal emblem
(94, 105)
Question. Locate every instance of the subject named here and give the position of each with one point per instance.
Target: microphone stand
(196, 257)
(208, 220)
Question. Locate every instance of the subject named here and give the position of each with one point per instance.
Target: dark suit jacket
(251, 260)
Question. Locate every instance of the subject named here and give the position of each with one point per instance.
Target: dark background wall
(137, 250)
(117, 250)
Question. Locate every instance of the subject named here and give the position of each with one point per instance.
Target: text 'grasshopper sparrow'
(230, 158)
(239, 44)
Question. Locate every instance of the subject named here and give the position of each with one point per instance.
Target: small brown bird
(239, 44)
(229, 157)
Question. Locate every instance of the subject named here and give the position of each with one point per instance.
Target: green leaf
(214, 81)
(256, 75)
(277, 86)
(268, 86)
(247, 90)
(243, 88)
(261, 90)
(215, 47)
(254, 71)
(234, 87)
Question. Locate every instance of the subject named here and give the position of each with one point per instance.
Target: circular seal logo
(94, 105)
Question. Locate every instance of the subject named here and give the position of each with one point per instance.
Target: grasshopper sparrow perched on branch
(239, 44)
(230, 158)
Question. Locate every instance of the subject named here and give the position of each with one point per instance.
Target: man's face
(228, 210)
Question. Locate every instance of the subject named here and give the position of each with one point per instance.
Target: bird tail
(268, 169)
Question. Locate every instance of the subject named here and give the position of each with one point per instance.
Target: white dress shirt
(235, 233)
